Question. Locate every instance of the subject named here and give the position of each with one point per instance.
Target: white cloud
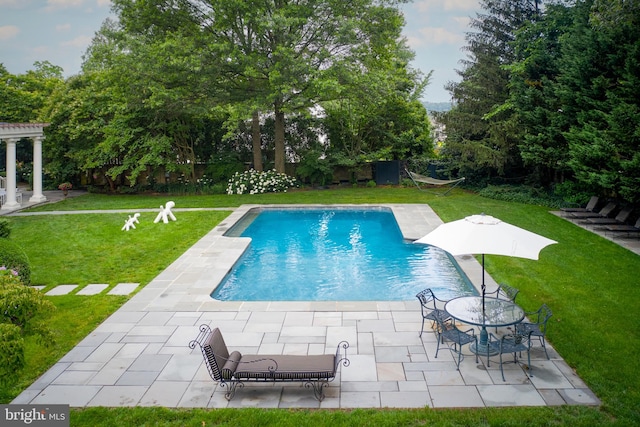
(448, 5)
(461, 21)
(414, 42)
(54, 5)
(8, 32)
(80, 41)
(104, 3)
(65, 3)
(40, 50)
(63, 27)
(439, 35)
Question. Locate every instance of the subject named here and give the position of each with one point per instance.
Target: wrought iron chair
(539, 322)
(510, 343)
(448, 331)
(505, 292)
(432, 309)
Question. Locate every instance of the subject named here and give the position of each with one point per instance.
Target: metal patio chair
(432, 309)
(504, 292)
(448, 331)
(537, 326)
(509, 344)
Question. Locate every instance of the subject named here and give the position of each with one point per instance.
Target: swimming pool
(334, 254)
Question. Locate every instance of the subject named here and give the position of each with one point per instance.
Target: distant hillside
(437, 106)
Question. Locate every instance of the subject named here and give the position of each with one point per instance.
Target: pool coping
(139, 355)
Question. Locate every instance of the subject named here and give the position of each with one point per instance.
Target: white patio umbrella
(484, 234)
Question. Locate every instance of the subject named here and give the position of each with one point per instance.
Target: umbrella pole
(484, 287)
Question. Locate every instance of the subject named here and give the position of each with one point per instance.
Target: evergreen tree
(600, 87)
(482, 134)
(533, 98)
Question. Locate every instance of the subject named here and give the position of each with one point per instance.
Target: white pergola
(12, 133)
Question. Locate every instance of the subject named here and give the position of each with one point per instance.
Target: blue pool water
(336, 255)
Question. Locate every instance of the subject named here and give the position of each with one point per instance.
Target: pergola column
(37, 196)
(11, 202)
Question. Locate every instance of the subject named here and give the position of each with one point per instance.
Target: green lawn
(590, 283)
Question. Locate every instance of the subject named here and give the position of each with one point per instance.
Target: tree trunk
(256, 142)
(279, 138)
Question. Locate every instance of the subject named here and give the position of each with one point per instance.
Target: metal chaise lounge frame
(234, 369)
(417, 178)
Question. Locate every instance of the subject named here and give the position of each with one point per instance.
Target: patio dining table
(494, 312)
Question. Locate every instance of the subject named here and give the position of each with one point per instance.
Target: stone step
(91, 289)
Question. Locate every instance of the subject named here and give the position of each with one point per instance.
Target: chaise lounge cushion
(286, 367)
(216, 352)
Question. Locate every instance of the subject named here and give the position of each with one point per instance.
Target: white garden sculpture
(165, 213)
(130, 222)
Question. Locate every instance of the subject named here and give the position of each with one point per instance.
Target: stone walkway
(140, 357)
(91, 289)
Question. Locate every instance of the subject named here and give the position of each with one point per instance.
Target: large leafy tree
(158, 112)
(280, 56)
(23, 98)
(378, 114)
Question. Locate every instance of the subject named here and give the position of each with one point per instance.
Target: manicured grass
(590, 283)
(91, 248)
(251, 417)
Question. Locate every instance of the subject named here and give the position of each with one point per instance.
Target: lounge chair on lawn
(433, 182)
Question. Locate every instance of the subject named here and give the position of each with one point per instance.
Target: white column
(37, 196)
(11, 175)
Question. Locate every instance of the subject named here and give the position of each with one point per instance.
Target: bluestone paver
(123, 289)
(61, 290)
(92, 289)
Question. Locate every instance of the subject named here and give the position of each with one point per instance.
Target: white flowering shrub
(254, 182)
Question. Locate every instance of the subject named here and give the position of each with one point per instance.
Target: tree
(599, 85)
(23, 96)
(149, 103)
(277, 55)
(482, 133)
(533, 95)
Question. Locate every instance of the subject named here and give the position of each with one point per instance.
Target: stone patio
(140, 357)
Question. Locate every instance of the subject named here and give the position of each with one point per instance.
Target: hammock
(417, 178)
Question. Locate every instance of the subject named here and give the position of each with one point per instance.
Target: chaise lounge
(603, 213)
(233, 369)
(591, 206)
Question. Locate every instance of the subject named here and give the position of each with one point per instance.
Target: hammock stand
(417, 179)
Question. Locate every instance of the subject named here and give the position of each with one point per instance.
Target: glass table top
(497, 312)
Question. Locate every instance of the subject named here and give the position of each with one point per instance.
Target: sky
(59, 31)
